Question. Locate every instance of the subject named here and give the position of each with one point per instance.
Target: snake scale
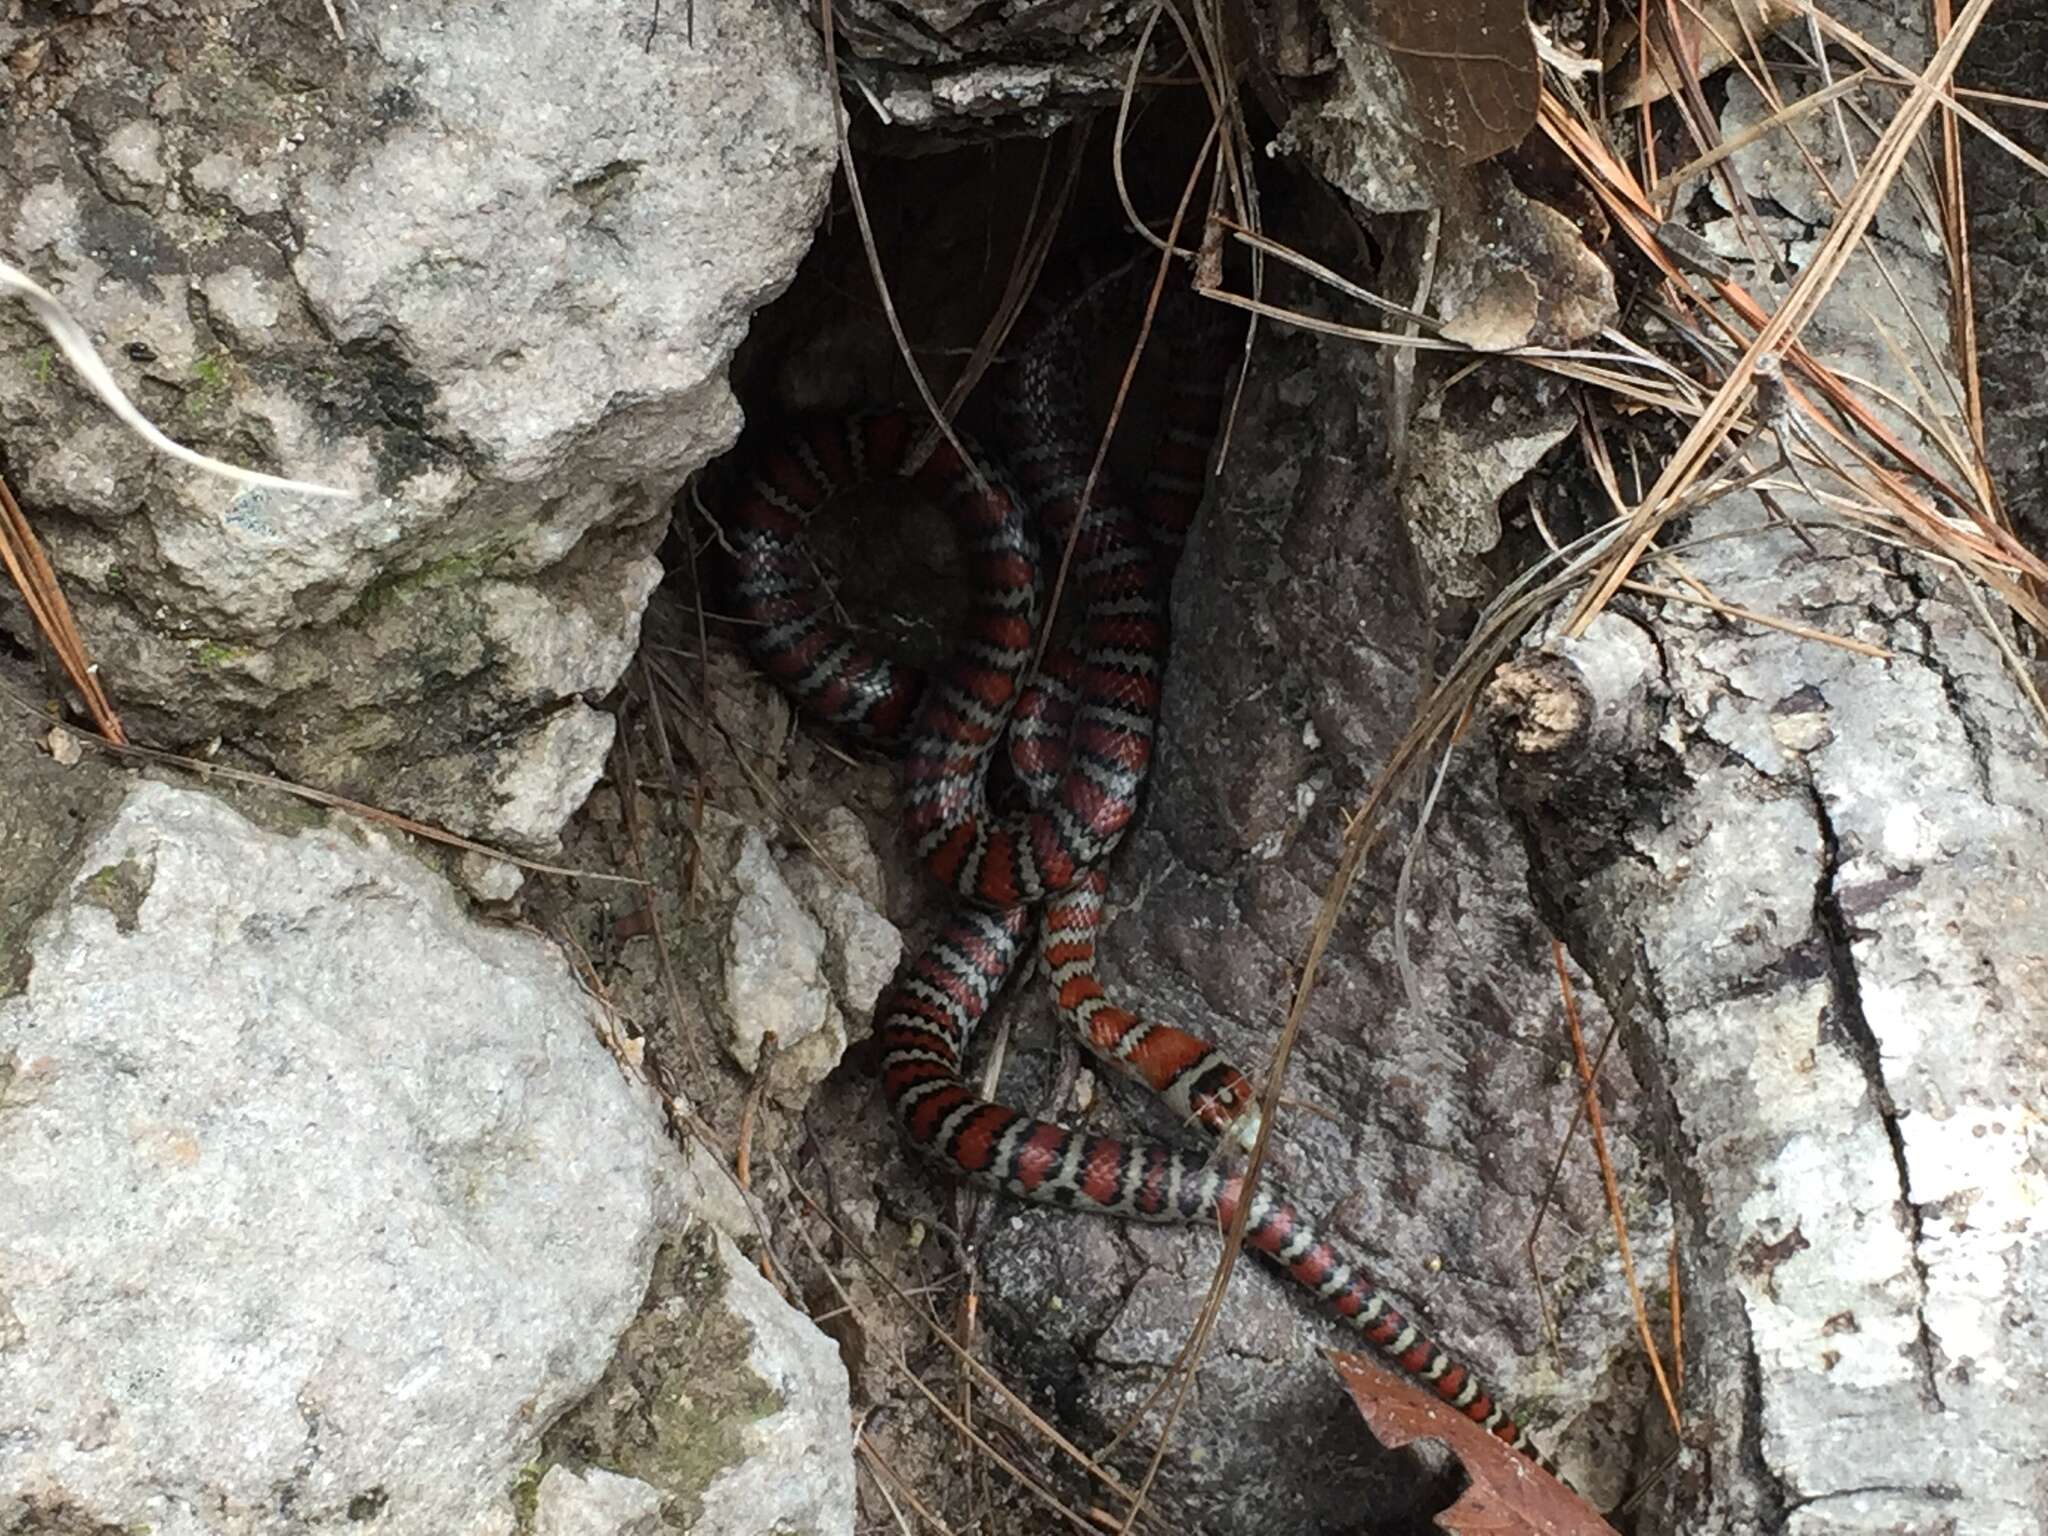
(1078, 738)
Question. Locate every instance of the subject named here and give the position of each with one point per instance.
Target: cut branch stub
(1575, 712)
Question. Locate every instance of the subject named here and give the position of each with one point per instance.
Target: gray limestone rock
(318, 1199)
(775, 966)
(797, 1473)
(941, 66)
(483, 266)
(840, 884)
(724, 1403)
(801, 950)
(595, 1502)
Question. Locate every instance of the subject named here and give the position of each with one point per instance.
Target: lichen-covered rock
(465, 264)
(723, 1399)
(319, 1199)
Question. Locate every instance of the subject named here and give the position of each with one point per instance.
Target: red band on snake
(1079, 739)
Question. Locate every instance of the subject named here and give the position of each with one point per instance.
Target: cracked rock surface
(1826, 946)
(939, 65)
(1810, 892)
(440, 265)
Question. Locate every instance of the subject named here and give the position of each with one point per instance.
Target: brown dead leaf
(1471, 70)
(1710, 32)
(1509, 1494)
(636, 924)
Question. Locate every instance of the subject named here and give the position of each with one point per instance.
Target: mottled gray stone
(723, 1401)
(460, 264)
(1467, 447)
(1357, 125)
(775, 967)
(797, 1475)
(595, 1502)
(539, 786)
(319, 1199)
(803, 950)
(841, 886)
(946, 66)
(489, 879)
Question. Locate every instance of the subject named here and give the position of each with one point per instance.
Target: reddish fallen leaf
(1509, 1494)
(636, 924)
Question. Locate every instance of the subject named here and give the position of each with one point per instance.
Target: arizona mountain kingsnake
(1079, 739)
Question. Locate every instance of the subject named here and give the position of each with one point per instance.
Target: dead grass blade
(1813, 283)
(22, 553)
(1596, 1128)
(1700, 597)
(1677, 1293)
(1663, 187)
(1629, 209)
(77, 348)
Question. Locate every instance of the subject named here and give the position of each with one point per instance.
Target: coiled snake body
(1079, 739)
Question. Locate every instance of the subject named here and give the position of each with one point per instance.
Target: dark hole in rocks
(948, 228)
(44, 12)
